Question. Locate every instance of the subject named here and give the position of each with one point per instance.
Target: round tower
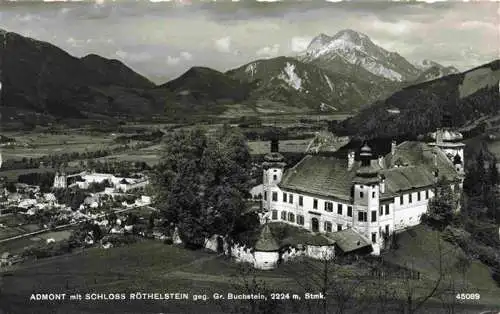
(366, 198)
(272, 171)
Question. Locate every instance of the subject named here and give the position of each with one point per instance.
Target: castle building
(374, 196)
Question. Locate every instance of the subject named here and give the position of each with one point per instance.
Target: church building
(373, 195)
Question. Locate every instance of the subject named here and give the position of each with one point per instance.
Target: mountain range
(346, 72)
(461, 98)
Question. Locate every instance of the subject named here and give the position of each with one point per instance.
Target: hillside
(41, 82)
(204, 90)
(305, 86)
(419, 109)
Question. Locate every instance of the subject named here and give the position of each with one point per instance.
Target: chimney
(382, 185)
(393, 147)
(350, 159)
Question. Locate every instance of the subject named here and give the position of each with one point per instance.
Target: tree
(202, 182)
(325, 275)
(443, 204)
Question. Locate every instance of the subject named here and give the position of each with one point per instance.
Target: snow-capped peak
(354, 48)
(319, 41)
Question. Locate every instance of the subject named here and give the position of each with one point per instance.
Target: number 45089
(468, 296)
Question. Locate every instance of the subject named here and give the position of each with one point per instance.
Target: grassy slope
(418, 249)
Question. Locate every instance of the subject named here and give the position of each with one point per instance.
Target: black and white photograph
(243, 156)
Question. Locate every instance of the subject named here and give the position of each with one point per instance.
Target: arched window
(275, 177)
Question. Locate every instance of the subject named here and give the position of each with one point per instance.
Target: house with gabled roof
(372, 195)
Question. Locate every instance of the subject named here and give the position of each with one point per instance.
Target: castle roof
(330, 177)
(266, 241)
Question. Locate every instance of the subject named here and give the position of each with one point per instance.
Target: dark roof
(321, 175)
(308, 239)
(329, 176)
(266, 241)
(349, 240)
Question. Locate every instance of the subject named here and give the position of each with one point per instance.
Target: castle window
(374, 237)
(275, 215)
(329, 207)
(300, 220)
(374, 215)
(328, 226)
(290, 199)
(426, 194)
(349, 211)
(291, 217)
(339, 209)
(381, 210)
(409, 198)
(315, 204)
(275, 177)
(373, 194)
(387, 230)
(361, 194)
(284, 197)
(387, 209)
(283, 215)
(401, 200)
(339, 227)
(362, 216)
(265, 195)
(301, 200)
(275, 196)
(418, 196)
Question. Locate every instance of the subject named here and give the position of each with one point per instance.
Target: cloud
(299, 44)
(173, 60)
(186, 55)
(223, 44)
(268, 51)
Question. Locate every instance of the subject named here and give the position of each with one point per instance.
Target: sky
(161, 40)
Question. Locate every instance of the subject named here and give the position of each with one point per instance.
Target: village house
(372, 196)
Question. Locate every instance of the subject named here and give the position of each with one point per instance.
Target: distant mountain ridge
(349, 49)
(302, 85)
(418, 109)
(41, 81)
(355, 54)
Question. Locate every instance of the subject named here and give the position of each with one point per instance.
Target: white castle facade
(373, 196)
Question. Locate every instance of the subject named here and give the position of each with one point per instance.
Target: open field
(32, 145)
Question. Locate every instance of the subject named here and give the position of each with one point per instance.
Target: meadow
(151, 266)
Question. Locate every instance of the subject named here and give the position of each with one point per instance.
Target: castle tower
(272, 169)
(366, 198)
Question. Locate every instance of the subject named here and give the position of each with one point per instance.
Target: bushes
(119, 240)
(47, 250)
